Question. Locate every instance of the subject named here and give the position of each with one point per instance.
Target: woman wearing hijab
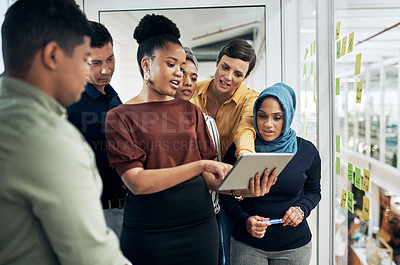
(296, 192)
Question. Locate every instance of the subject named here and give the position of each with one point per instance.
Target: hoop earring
(146, 78)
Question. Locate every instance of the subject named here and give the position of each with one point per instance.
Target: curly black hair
(152, 33)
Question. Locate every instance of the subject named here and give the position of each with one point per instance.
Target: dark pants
(225, 225)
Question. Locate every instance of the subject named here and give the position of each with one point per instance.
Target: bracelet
(301, 211)
(237, 197)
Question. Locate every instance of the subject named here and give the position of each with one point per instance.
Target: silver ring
(290, 211)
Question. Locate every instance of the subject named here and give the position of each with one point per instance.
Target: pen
(273, 221)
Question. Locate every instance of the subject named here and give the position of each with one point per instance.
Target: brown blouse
(157, 135)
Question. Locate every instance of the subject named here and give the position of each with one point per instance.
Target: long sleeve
(63, 189)
(245, 133)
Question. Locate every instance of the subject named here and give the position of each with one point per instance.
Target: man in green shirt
(50, 210)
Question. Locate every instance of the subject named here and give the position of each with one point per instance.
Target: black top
(297, 185)
(89, 115)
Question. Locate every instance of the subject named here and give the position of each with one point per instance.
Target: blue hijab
(286, 142)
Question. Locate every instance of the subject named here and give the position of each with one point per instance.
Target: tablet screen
(249, 164)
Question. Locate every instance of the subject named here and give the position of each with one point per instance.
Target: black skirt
(175, 226)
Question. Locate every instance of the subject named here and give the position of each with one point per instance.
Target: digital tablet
(249, 164)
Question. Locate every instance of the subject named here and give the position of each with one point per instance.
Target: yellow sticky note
(358, 64)
(305, 56)
(365, 209)
(350, 174)
(315, 78)
(351, 42)
(344, 198)
(312, 67)
(304, 71)
(315, 95)
(337, 86)
(338, 165)
(344, 43)
(357, 180)
(338, 143)
(366, 180)
(350, 201)
(306, 87)
(359, 91)
(337, 34)
(338, 49)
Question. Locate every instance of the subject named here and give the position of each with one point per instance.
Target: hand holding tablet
(249, 165)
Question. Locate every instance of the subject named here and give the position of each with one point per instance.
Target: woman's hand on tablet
(259, 186)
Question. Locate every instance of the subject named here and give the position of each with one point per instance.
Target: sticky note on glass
(338, 86)
(366, 180)
(314, 44)
(315, 78)
(358, 64)
(304, 71)
(344, 43)
(338, 46)
(338, 166)
(315, 95)
(357, 180)
(359, 91)
(351, 42)
(365, 209)
(350, 201)
(338, 143)
(343, 200)
(337, 33)
(350, 174)
(305, 56)
(312, 67)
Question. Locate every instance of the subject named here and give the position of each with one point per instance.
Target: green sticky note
(359, 91)
(315, 78)
(312, 67)
(304, 71)
(357, 180)
(344, 43)
(351, 42)
(358, 64)
(366, 180)
(338, 143)
(337, 32)
(338, 45)
(314, 44)
(315, 95)
(350, 174)
(338, 86)
(338, 166)
(305, 56)
(350, 201)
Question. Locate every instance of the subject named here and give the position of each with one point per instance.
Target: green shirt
(50, 210)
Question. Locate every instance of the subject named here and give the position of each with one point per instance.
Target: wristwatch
(301, 211)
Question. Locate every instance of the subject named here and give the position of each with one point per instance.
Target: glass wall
(299, 71)
(366, 121)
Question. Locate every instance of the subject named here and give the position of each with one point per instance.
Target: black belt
(111, 204)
